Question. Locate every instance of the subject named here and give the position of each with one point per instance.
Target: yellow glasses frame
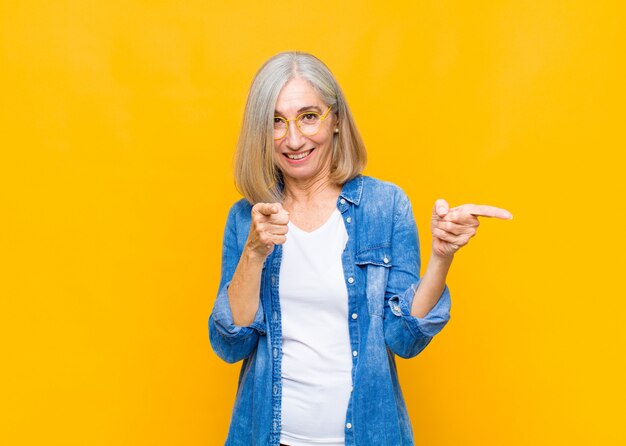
(287, 121)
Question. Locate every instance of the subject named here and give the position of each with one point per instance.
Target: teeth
(298, 156)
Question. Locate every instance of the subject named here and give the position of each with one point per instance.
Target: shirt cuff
(223, 318)
(429, 325)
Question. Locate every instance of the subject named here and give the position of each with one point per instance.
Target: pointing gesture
(268, 228)
(452, 228)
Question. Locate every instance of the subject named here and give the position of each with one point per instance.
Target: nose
(294, 139)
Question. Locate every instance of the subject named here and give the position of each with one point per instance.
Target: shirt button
(354, 353)
(275, 316)
(349, 219)
(342, 201)
(354, 315)
(273, 280)
(275, 353)
(350, 279)
(275, 389)
(386, 260)
(349, 425)
(275, 424)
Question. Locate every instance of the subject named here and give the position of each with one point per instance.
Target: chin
(298, 175)
(303, 172)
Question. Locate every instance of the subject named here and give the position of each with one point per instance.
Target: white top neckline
(327, 223)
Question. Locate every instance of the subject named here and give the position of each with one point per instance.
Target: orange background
(117, 129)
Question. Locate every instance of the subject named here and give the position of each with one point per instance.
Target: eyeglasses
(309, 123)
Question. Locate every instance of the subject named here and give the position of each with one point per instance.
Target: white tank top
(317, 358)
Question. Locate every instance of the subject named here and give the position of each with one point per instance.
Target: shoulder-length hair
(256, 175)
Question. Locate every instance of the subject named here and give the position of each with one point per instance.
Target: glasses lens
(280, 127)
(309, 123)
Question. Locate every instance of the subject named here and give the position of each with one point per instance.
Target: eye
(278, 121)
(309, 117)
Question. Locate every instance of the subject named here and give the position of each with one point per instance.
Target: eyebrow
(308, 107)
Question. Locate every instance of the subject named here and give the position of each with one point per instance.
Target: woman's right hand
(268, 228)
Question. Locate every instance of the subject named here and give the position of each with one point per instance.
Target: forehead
(297, 93)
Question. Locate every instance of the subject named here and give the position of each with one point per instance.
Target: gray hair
(256, 175)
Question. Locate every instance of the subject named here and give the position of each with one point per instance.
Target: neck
(302, 192)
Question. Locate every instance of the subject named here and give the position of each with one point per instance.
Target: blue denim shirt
(381, 264)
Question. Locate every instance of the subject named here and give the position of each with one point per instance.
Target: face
(300, 157)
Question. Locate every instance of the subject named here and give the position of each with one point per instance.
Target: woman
(320, 283)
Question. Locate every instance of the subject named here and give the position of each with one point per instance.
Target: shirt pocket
(375, 263)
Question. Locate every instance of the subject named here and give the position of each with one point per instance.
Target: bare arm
(431, 286)
(268, 228)
(244, 289)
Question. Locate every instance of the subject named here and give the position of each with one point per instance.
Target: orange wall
(117, 128)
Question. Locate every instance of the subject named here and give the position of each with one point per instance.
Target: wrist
(441, 260)
(252, 256)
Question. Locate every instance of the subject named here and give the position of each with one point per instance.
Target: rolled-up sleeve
(422, 329)
(407, 335)
(232, 342)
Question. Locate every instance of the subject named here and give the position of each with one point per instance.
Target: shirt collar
(352, 189)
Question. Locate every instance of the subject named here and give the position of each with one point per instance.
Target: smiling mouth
(298, 156)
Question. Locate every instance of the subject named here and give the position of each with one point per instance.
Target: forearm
(244, 289)
(431, 286)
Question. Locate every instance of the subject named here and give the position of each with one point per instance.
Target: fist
(268, 228)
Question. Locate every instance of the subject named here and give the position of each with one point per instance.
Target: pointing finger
(485, 211)
(267, 208)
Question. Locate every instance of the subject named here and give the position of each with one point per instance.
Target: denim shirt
(381, 264)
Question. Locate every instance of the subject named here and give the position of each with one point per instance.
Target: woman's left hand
(453, 228)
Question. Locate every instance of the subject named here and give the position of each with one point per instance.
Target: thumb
(441, 207)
